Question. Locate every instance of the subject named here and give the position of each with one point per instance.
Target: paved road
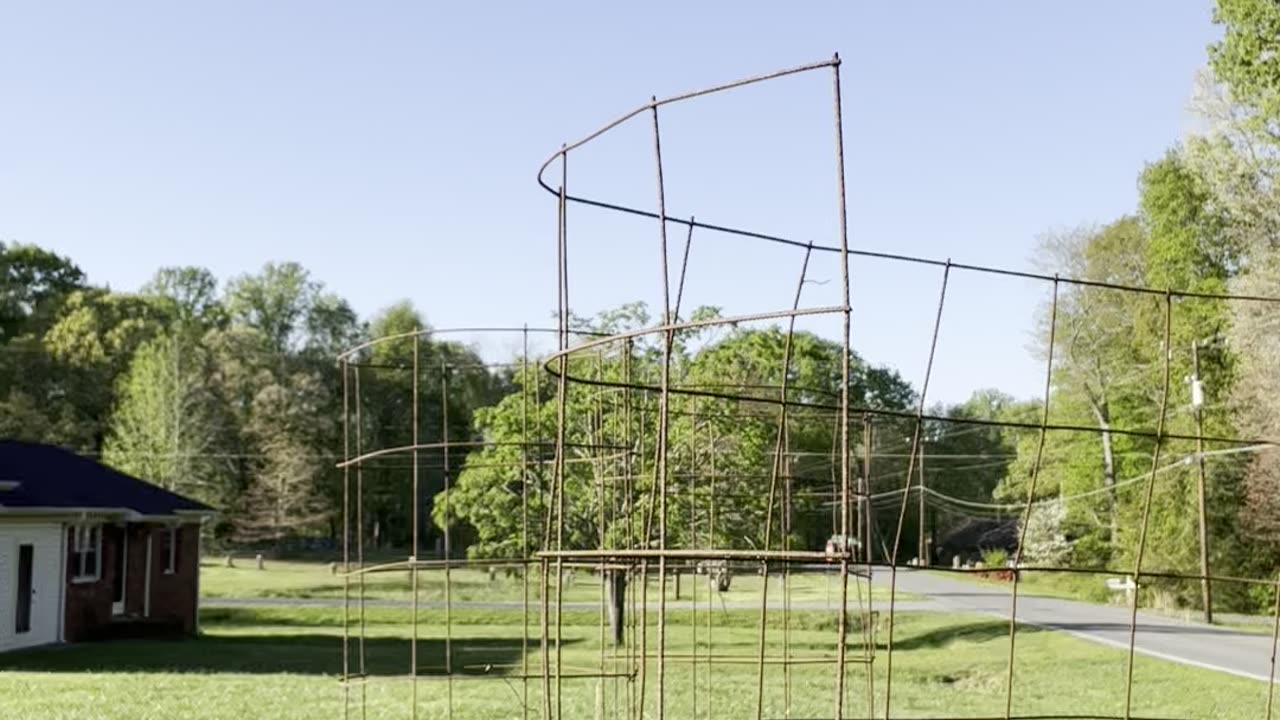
(1232, 651)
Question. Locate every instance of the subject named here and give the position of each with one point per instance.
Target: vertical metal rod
(1275, 640)
(1198, 413)
(902, 511)
(448, 548)
(544, 579)
(693, 530)
(524, 520)
(1031, 496)
(846, 311)
(779, 450)
(663, 402)
(545, 588)
(364, 693)
(629, 500)
(346, 540)
(413, 554)
(786, 576)
(1146, 507)
(711, 541)
(868, 519)
(646, 532)
(562, 403)
(922, 549)
(596, 432)
(612, 575)
(834, 461)
(865, 518)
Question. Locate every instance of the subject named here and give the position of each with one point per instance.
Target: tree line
(226, 392)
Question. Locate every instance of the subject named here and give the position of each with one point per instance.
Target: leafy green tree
(275, 301)
(1247, 59)
(170, 426)
(92, 343)
(192, 293)
(33, 284)
(723, 442)
(453, 382)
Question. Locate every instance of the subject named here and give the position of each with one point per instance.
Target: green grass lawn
(294, 579)
(282, 663)
(1065, 586)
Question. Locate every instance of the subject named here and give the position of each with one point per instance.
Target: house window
(86, 553)
(169, 550)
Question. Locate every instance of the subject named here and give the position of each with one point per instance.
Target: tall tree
(1239, 157)
(285, 497)
(192, 294)
(92, 343)
(170, 426)
(1247, 59)
(33, 284)
(453, 381)
(276, 301)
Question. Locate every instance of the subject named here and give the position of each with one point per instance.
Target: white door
(30, 584)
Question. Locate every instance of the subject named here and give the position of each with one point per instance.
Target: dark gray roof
(52, 477)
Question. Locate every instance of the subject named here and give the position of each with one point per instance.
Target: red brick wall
(173, 595)
(88, 604)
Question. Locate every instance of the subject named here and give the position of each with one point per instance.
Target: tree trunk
(616, 582)
(1103, 416)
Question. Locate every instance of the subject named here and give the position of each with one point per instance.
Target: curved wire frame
(636, 680)
(851, 497)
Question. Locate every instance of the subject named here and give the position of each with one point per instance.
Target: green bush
(995, 558)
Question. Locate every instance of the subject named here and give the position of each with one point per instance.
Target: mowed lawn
(283, 663)
(296, 579)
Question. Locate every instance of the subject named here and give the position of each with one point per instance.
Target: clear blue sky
(391, 149)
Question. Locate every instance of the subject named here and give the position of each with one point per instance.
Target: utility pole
(1197, 403)
(922, 551)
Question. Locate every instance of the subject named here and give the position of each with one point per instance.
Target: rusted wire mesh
(640, 670)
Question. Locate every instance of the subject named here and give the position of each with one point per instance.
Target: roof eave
(74, 512)
(127, 514)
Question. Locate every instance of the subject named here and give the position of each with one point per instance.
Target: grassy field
(282, 663)
(1065, 586)
(295, 579)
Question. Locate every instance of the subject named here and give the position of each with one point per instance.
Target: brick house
(87, 552)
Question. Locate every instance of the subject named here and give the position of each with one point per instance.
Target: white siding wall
(47, 580)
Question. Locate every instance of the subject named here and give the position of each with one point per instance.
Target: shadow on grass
(971, 632)
(272, 654)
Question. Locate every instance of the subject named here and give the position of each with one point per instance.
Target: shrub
(1046, 544)
(995, 557)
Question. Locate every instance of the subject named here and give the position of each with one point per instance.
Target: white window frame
(171, 559)
(85, 538)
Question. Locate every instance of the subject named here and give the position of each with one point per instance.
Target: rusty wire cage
(630, 619)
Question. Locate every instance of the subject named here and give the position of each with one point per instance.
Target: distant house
(87, 552)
